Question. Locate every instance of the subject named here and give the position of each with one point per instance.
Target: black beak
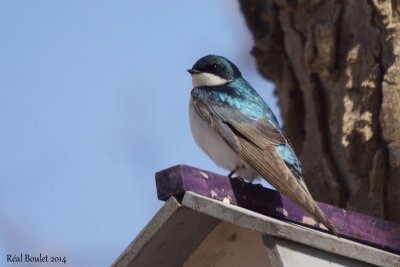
(192, 71)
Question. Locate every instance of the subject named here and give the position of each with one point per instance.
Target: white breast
(215, 147)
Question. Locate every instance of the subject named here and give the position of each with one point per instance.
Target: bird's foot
(233, 172)
(241, 179)
(230, 175)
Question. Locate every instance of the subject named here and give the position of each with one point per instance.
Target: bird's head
(213, 70)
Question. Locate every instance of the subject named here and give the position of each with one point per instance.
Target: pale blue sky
(93, 101)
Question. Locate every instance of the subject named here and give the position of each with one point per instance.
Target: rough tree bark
(336, 66)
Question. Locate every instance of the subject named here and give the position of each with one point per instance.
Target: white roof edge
(293, 232)
(151, 229)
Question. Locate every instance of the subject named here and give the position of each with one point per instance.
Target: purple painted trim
(352, 225)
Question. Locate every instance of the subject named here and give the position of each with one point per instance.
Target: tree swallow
(233, 125)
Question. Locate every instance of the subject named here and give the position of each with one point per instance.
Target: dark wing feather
(262, 133)
(256, 146)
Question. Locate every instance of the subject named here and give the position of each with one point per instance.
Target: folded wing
(255, 141)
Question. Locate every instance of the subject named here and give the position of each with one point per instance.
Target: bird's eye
(212, 68)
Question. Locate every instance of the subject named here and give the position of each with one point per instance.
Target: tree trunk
(336, 67)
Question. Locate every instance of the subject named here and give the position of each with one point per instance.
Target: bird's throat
(207, 79)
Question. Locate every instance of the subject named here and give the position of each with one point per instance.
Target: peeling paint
(308, 220)
(205, 175)
(227, 200)
(322, 226)
(282, 211)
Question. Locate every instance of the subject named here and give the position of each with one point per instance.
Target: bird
(237, 129)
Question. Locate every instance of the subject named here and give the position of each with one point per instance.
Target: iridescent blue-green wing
(255, 141)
